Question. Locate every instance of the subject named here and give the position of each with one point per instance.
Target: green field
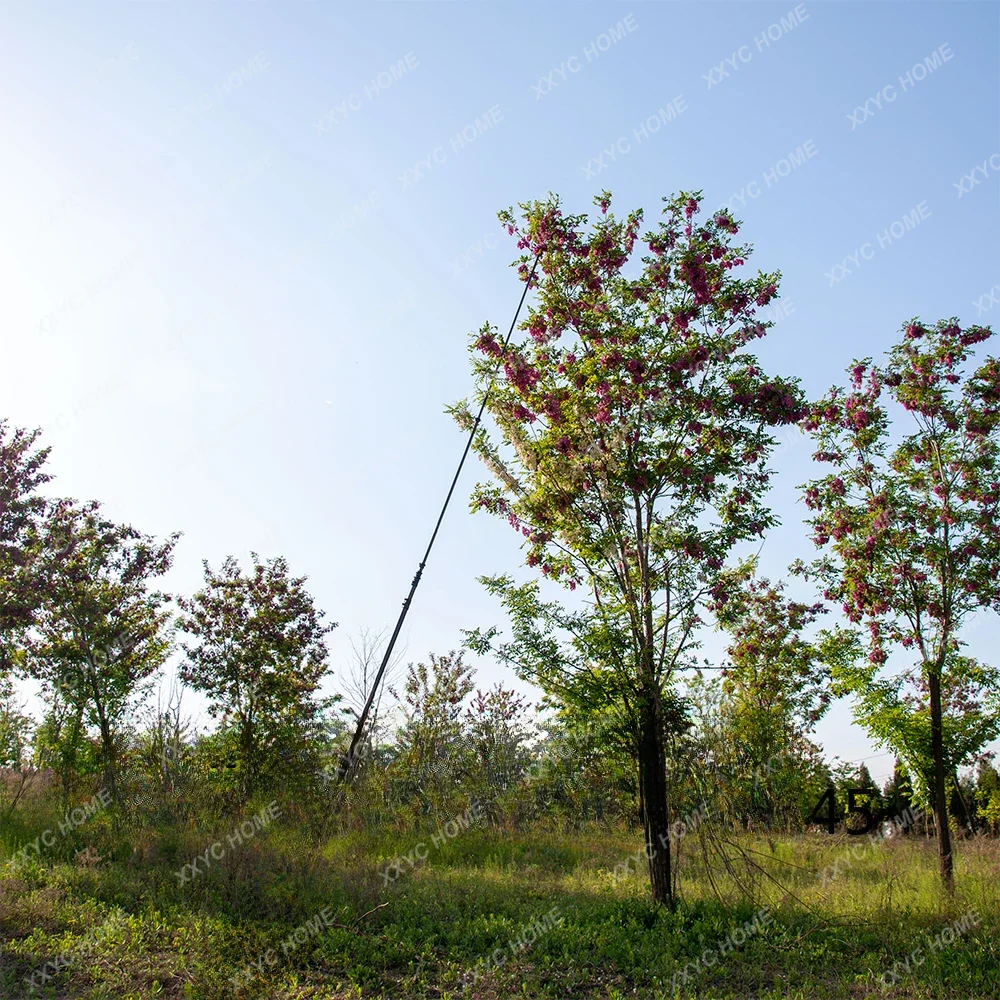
(277, 917)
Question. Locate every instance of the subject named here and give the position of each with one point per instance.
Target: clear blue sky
(237, 305)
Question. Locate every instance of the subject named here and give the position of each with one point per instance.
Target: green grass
(134, 931)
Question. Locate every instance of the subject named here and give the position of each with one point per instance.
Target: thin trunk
(945, 861)
(108, 744)
(652, 753)
(107, 738)
(653, 791)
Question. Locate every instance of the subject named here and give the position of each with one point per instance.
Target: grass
(128, 928)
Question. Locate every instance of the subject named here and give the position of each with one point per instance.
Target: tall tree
(911, 527)
(101, 632)
(259, 655)
(633, 455)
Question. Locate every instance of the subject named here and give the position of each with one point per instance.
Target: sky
(244, 245)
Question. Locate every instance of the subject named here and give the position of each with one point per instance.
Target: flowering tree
(432, 763)
(21, 511)
(259, 655)
(102, 630)
(912, 530)
(634, 436)
(499, 738)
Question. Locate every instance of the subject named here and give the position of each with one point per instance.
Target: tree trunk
(108, 748)
(945, 862)
(107, 738)
(653, 792)
(652, 749)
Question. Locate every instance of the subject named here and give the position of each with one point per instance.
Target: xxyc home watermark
(73, 956)
(971, 179)
(235, 79)
(772, 33)
(527, 935)
(893, 232)
(547, 83)
(987, 300)
(890, 828)
(74, 818)
(887, 95)
(473, 253)
(795, 159)
(268, 959)
(945, 938)
(711, 955)
(246, 831)
(419, 852)
(90, 291)
(380, 83)
(622, 147)
(680, 829)
(438, 156)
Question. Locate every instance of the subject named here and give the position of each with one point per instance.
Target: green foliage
(16, 727)
(895, 712)
(433, 763)
(101, 632)
(914, 550)
(160, 938)
(259, 656)
(988, 795)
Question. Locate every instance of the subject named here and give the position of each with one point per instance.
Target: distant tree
(988, 795)
(579, 773)
(163, 752)
(16, 727)
(433, 758)
(913, 534)
(366, 655)
(775, 689)
(62, 743)
(498, 737)
(635, 438)
(259, 655)
(897, 793)
(101, 632)
(768, 782)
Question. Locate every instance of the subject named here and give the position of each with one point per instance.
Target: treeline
(630, 436)
(84, 616)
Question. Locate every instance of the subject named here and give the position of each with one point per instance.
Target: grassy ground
(274, 918)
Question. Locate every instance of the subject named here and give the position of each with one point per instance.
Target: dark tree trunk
(945, 861)
(653, 793)
(107, 737)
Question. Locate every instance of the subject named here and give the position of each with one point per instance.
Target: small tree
(775, 689)
(101, 632)
(751, 755)
(988, 795)
(433, 760)
(498, 738)
(635, 438)
(912, 528)
(356, 682)
(897, 793)
(259, 655)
